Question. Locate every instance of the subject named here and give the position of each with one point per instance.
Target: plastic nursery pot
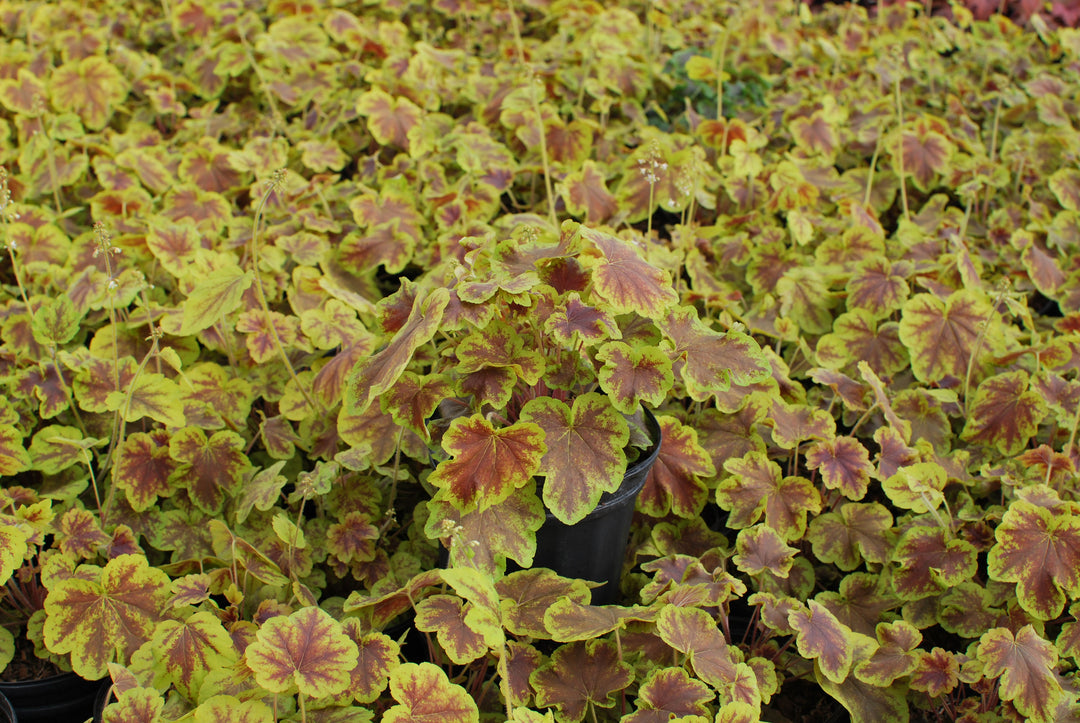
(7, 713)
(64, 698)
(595, 548)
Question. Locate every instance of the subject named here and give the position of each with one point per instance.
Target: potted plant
(536, 349)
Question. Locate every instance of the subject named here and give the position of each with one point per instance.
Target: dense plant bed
(300, 294)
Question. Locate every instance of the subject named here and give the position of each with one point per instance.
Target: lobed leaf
(580, 675)
(307, 651)
(425, 694)
(1025, 666)
(675, 481)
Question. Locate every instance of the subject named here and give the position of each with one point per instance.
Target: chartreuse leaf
(584, 456)
(186, 651)
(307, 651)
(1005, 413)
(866, 701)
(709, 361)
(693, 632)
(12, 550)
(1039, 550)
(941, 335)
(101, 615)
(567, 620)
(447, 617)
(389, 119)
(623, 279)
(7, 647)
(632, 375)
(895, 657)
(824, 639)
(13, 457)
(56, 447)
(55, 321)
(675, 481)
(1026, 668)
(91, 87)
(377, 656)
(424, 693)
(507, 528)
(917, 487)
(210, 468)
(488, 464)
(228, 707)
(670, 692)
(217, 294)
(376, 374)
(135, 705)
(150, 395)
(580, 676)
(525, 597)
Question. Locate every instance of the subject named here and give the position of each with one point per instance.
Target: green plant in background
(251, 249)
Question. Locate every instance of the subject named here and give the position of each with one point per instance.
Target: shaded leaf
(760, 549)
(215, 296)
(526, 595)
(579, 675)
(853, 533)
(931, 561)
(675, 481)
(567, 620)
(667, 693)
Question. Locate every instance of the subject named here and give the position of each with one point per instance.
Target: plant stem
(900, 150)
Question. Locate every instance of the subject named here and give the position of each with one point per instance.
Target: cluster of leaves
(252, 246)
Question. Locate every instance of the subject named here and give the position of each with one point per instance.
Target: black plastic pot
(7, 713)
(64, 698)
(595, 548)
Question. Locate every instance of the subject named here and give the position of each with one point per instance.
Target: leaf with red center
(567, 620)
(424, 695)
(210, 469)
(57, 447)
(710, 361)
(205, 209)
(1052, 464)
(895, 657)
(307, 651)
(1039, 550)
(79, 534)
(623, 279)
(857, 336)
(573, 322)
(497, 346)
(24, 96)
(586, 194)
(756, 487)
(793, 423)
(384, 245)
(584, 455)
(823, 638)
(374, 435)
(1026, 666)
(759, 549)
(879, 286)
(352, 538)
(844, 464)
(693, 632)
(487, 464)
(261, 328)
(145, 468)
(1043, 269)
(413, 399)
(13, 457)
(936, 673)
(855, 532)
(1004, 413)
(214, 395)
(866, 701)
(941, 335)
(805, 299)
(669, 693)
(525, 595)
(931, 561)
(632, 375)
(186, 651)
(816, 133)
(215, 296)
(106, 617)
(44, 383)
(389, 119)
(674, 483)
(861, 602)
(507, 528)
(140, 705)
(925, 153)
(55, 322)
(376, 374)
(377, 656)
(730, 436)
(91, 87)
(206, 164)
(578, 676)
(447, 616)
(1065, 184)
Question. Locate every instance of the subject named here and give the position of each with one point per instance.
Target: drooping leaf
(150, 395)
(488, 464)
(376, 374)
(584, 456)
(586, 194)
(1025, 667)
(526, 595)
(425, 694)
(106, 614)
(675, 481)
(755, 487)
(580, 675)
(307, 651)
(377, 656)
(823, 638)
(1004, 413)
(1039, 550)
(567, 620)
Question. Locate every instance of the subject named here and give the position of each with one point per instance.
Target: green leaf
(56, 322)
(917, 487)
(584, 456)
(135, 705)
(424, 694)
(104, 615)
(488, 464)
(568, 620)
(187, 651)
(307, 651)
(214, 297)
(13, 458)
(56, 447)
